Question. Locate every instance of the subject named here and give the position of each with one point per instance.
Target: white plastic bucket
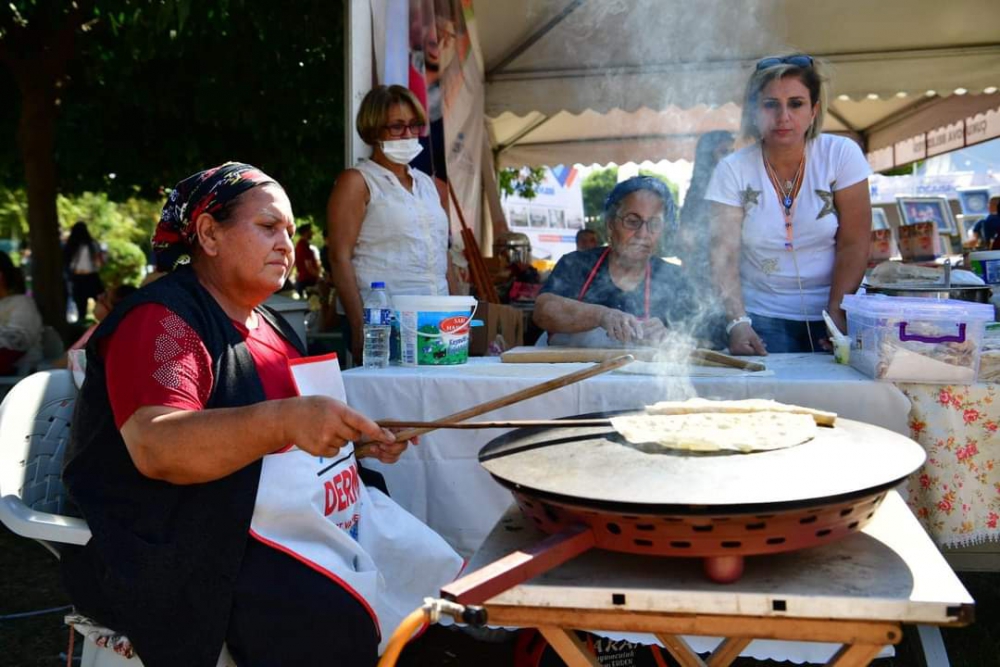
(434, 330)
(986, 265)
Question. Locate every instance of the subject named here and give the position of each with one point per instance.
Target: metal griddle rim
(649, 509)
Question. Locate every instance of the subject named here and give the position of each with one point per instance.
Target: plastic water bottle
(378, 321)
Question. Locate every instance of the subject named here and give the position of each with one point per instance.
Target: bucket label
(434, 338)
(454, 325)
(987, 269)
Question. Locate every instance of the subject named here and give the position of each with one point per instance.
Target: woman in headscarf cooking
(791, 222)
(180, 459)
(621, 292)
(386, 221)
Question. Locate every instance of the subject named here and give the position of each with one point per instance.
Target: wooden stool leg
(681, 650)
(569, 647)
(855, 655)
(728, 651)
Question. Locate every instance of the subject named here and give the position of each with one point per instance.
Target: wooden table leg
(681, 650)
(727, 652)
(855, 655)
(569, 647)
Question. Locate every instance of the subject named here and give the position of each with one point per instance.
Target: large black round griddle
(595, 467)
(587, 486)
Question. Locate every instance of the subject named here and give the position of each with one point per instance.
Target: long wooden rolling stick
(522, 395)
(508, 423)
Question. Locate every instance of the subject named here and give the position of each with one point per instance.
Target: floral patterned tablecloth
(956, 495)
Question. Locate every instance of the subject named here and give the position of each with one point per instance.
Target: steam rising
(657, 54)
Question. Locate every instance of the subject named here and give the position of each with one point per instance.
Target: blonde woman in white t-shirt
(386, 221)
(791, 215)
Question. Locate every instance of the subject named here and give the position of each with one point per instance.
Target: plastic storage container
(902, 339)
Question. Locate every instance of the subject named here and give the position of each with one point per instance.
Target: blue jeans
(788, 335)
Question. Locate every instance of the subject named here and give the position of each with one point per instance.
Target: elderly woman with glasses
(386, 221)
(791, 215)
(623, 288)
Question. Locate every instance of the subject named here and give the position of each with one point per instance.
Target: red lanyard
(593, 273)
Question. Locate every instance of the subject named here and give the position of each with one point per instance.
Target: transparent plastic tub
(901, 339)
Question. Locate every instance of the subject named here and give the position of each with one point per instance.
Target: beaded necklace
(786, 192)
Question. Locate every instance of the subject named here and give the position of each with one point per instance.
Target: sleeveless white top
(403, 240)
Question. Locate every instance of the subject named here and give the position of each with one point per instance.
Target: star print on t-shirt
(827, 197)
(749, 197)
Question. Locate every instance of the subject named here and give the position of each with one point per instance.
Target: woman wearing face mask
(791, 216)
(386, 221)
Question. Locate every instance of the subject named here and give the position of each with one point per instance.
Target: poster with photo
(913, 210)
(974, 201)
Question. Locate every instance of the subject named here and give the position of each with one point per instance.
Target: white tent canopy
(617, 80)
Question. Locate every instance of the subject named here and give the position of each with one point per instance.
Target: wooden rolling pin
(510, 423)
(543, 355)
(522, 395)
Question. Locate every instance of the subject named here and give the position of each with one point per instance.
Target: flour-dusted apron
(318, 511)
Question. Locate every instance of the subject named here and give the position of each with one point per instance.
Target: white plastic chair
(35, 421)
(34, 429)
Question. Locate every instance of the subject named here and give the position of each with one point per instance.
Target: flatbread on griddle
(715, 431)
(750, 405)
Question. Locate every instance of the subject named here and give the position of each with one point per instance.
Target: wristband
(739, 320)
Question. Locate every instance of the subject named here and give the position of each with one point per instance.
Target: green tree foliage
(123, 228)
(674, 190)
(124, 263)
(13, 213)
(130, 96)
(521, 182)
(596, 188)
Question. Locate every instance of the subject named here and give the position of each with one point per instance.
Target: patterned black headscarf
(209, 191)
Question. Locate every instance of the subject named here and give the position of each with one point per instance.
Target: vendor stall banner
(885, 189)
(911, 150)
(947, 138)
(982, 127)
(881, 159)
(463, 103)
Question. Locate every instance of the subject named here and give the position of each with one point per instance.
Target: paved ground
(29, 582)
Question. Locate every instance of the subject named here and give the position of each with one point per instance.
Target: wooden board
(565, 355)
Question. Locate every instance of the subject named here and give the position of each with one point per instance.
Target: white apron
(318, 511)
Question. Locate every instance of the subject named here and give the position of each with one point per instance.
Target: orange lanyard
(786, 199)
(593, 274)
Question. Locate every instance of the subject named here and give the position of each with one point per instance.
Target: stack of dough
(702, 425)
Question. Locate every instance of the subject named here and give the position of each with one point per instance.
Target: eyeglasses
(399, 129)
(800, 60)
(634, 223)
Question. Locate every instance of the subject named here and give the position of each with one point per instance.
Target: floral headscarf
(208, 191)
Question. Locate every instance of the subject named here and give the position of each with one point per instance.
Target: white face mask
(402, 151)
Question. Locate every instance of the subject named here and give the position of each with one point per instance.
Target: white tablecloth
(441, 482)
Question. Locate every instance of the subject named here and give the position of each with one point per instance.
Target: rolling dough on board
(749, 405)
(718, 431)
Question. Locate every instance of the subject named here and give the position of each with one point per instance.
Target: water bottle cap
(379, 285)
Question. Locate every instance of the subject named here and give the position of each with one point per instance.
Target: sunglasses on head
(800, 60)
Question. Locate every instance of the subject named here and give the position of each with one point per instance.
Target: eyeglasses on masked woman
(798, 60)
(416, 129)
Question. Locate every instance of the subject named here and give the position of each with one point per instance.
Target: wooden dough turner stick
(511, 423)
(522, 395)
